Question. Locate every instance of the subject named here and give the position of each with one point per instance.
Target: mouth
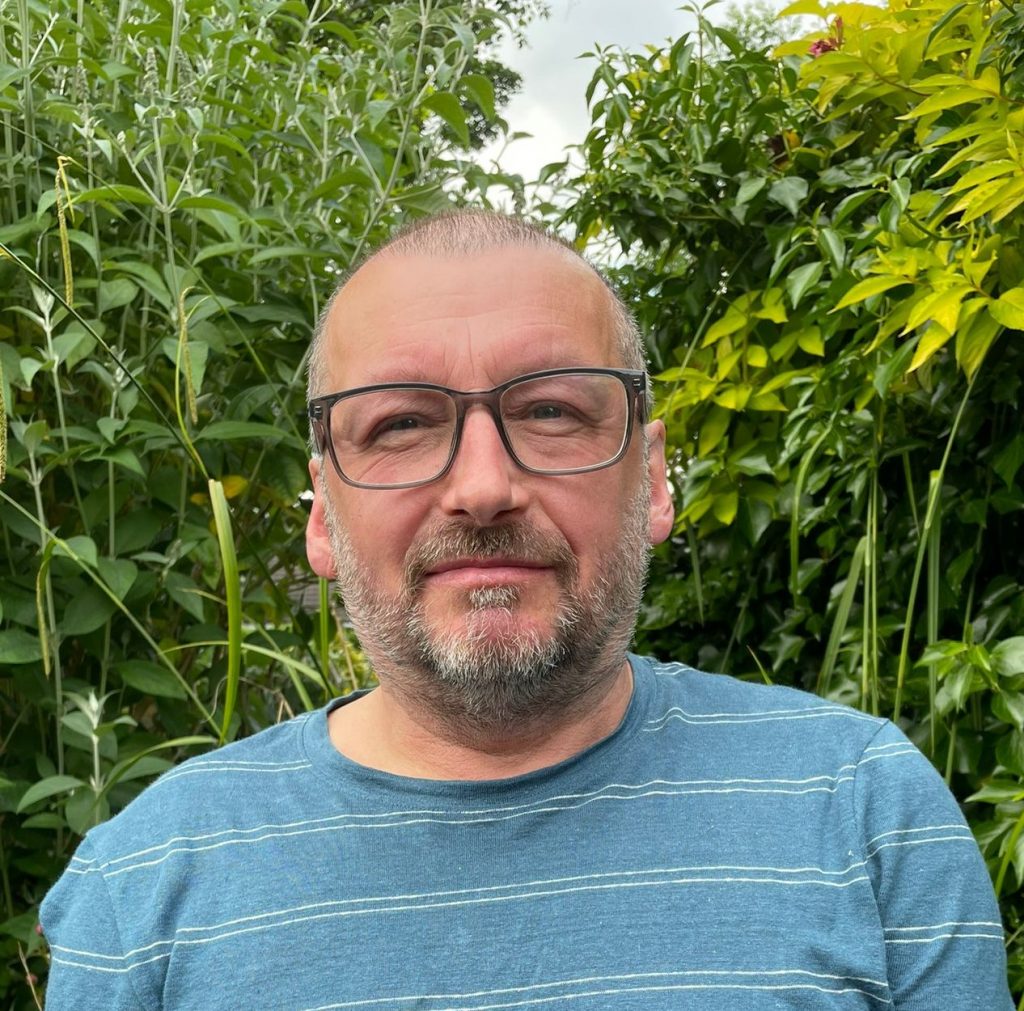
(472, 572)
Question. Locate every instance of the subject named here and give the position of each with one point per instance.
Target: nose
(484, 481)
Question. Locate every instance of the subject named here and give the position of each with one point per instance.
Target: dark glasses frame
(633, 380)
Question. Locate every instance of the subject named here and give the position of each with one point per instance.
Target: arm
(943, 934)
(89, 967)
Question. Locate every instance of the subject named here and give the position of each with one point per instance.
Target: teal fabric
(729, 846)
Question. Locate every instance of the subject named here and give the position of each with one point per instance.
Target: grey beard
(472, 679)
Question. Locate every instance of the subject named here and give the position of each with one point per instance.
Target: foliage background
(821, 241)
(823, 245)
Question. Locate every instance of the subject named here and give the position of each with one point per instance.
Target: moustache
(515, 541)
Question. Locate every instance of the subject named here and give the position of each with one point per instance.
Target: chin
(494, 626)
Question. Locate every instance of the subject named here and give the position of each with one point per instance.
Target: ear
(662, 509)
(318, 541)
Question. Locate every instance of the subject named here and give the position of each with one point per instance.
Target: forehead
(468, 321)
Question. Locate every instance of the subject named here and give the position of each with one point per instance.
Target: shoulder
(724, 705)
(206, 793)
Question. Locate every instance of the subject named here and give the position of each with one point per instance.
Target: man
(521, 815)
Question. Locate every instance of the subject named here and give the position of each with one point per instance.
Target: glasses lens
(567, 422)
(393, 437)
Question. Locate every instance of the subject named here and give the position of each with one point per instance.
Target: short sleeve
(943, 936)
(89, 967)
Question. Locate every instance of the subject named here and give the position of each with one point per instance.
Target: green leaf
(79, 547)
(947, 98)
(1009, 460)
(713, 429)
(119, 574)
(834, 246)
(85, 612)
(448, 107)
(1010, 752)
(117, 193)
(300, 253)
(480, 89)
(868, 288)
(123, 457)
(211, 203)
(84, 810)
(724, 507)
(749, 189)
(226, 431)
(184, 592)
(1009, 707)
(150, 679)
(801, 279)
(934, 338)
(974, 340)
(998, 791)
(941, 307)
(115, 293)
(730, 323)
(790, 192)
(73, 345)
(893, 370)
(233, 597)
(809, 340)
(18, 646)
(939, 25)
(1008, 309)
(48, 787)
(1008, 656)
(899, 190)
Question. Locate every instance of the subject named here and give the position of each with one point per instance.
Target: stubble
(491, 672)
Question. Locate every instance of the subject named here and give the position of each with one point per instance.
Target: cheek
(382, 525)
(590, 517)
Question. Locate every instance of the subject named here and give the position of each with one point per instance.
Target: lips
(456, 564)
(472, 573)
(471, 556)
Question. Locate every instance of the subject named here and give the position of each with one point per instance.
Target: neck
(389, 731)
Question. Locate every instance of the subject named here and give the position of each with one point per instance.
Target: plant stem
(934, 491)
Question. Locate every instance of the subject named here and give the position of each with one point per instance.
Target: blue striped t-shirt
(729, 846)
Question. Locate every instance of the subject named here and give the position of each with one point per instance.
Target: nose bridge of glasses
(490, 401)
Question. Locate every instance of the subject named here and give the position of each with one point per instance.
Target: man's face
(492, 593)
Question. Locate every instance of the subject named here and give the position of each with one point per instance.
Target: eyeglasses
(400, 435)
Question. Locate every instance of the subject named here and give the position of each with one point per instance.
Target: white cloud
(551, 105)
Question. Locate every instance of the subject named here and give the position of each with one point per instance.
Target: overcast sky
(551, 104)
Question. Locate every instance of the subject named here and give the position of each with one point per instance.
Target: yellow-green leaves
(1008, 309)
(870, 286)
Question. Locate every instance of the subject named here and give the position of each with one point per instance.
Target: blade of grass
(794, 519)
(842, 617)
(1011, 846)
(932, 614)
(934, 489)
(869, 620)
(233, 597)
(286, 661)
(324, 616)
(691, 540)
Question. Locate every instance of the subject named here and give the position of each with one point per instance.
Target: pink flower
(830, 44)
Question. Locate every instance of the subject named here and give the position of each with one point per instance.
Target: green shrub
(824, 245)
(181, 184)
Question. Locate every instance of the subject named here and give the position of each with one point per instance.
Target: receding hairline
(465, 233)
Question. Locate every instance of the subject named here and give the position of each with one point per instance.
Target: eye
(400, 424)
(546, 411)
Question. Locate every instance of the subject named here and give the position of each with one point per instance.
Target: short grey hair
(462, 233)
